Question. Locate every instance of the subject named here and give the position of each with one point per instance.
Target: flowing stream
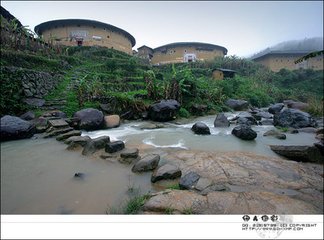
(37, 175)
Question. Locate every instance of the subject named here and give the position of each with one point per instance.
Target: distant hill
(305, 45)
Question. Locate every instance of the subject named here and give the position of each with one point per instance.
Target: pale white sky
(244, 28)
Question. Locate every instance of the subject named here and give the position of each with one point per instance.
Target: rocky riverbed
(228, 164)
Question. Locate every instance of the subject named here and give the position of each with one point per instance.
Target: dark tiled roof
(193, 44)
(46, 25)
(290, 52)
(224, 70)
(144, 46)
(7, 15)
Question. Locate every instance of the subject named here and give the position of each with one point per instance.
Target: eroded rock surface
(250, 183)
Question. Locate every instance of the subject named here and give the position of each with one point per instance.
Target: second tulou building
(181, 52)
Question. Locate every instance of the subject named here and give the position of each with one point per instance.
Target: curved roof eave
(43, 26)
(183, 44)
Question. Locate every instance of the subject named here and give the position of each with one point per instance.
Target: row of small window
(80, 26)
(173, 51)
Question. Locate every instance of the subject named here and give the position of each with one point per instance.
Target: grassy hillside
(94, 75)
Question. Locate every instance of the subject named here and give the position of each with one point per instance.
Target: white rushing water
(37, 174)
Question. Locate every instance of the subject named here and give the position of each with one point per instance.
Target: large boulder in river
(200, 128)
(297, 105)
(13, 128)
(112, 121)
(164, 110)
(95, 144)
(89, 119)
(116, 146)
(244, 132)
(293, 118)
(221, 121)
(275, 134)
(167, 171)
(237, 105)
(275, 108)
(246, 118)
(147, 163)
(298, 153)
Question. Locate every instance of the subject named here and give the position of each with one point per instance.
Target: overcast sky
(244, 28)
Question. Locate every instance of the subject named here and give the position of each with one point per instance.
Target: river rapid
(37, 175)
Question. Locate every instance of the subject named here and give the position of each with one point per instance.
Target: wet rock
(307, 130)
(13, 128)
(95, 144)
(112, 121)
(189, 180)
(275, 108)
(263, 114)
(52, 132)
(90, 119)
(203, 183)
(275, 133)
(79, 175)
(82, 140)
(237, 105)
(129, 155)
(221, 121)
(116, 146)
(244, 132)
(296, 105)
(64, 136)
(147, 163)
(246, 118)
(58, 123)
(28, 116)
(76, 142)
(151, 126)
(298, 153)
(200, 128)
(167, 171)
(55, 113)
(163, 111)
(294, 118)
(292, 131)
(35, 102)
(266, 122)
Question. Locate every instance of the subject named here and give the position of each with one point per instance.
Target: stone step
(58, 123)
(57, 132)
(65, 136)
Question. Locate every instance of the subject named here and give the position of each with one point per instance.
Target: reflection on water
(37, 175)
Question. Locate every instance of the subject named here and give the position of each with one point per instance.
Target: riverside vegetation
(90, 76)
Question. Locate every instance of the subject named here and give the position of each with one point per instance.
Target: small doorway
(79, 41)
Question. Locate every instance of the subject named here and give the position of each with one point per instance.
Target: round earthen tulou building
(82, 32)
(181, 52)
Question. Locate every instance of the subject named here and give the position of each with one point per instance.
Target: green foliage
(135, 204)
(174, 186)
(11, 93)
(183, 113)
(187, 211)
